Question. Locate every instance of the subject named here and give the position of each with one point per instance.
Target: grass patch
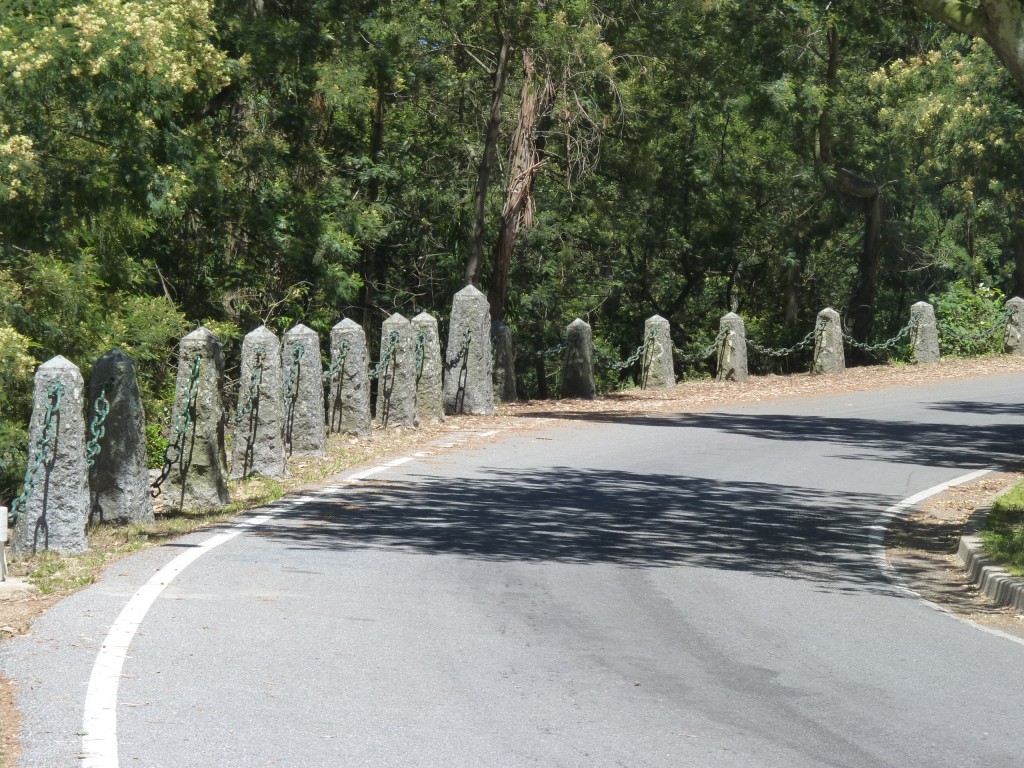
(1003, 535)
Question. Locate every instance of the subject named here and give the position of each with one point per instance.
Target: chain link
(182, 422)
(43, 447)
(336, 365)
(706, 352)
(786, 351)
(252, 392)
(292, 390)
(998, 325)
(97, 428)
(386, 357)
(467, 337)
(882, 345)
(641, 351)
(421, 352)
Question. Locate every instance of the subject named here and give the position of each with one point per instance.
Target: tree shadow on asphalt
(922, 444)
(983, 408)
(630, 519)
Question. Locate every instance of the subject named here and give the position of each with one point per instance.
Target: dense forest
(165, 163)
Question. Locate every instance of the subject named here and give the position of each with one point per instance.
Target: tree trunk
(867, 270)
(368, 257)
(535, 101)
(1018, 265)
(491, 136)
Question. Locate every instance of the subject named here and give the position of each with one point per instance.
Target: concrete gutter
(993, 580)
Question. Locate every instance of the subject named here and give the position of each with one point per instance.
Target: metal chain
(804, 342)
(252, 393)
(43, 446)
(649, 337)
(336, 365)
(181, 424)
(998, 325)
(387, 355)
(467, 337)
(706, 352)
(292, 391)
(421, 351)
(882, 345)
(555, 350)
(97, 428)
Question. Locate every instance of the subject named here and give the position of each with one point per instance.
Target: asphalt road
(693, 590)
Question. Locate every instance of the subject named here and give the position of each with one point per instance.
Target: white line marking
(878, 545)
(99, 722)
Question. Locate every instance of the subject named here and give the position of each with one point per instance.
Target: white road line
(878, 546)
(99, 722)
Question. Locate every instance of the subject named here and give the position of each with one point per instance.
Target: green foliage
(971, 320)
(1003, 535)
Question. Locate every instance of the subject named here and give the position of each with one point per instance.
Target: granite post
(504, 363)
(199, 479)
(119, 475)
(349, 405)
(56, 512)
(1013, 337)
(429, 367)
(468, 378)
(396, 382)
(658, 364)
(259, 435)
(578, 363)
(732, 350)
(828, 343)
(924, 335)
(305, 428)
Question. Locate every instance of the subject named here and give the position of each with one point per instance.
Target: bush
(970, 320)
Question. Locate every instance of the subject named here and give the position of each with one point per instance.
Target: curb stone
(992, 580)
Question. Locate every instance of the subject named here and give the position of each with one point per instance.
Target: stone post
(468, 378)
(396, 383)
(732, 351)
(199, 479)
(578, 363)
(504, 363)
(924, 336)
(428, 366)
(828, 343)
(305, 428)
(119, 476)
(1013, 337)
(56, 512)
(658, 364)
(259, 435)
(349, 408)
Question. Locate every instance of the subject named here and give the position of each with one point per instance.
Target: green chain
(882, 345)
(97, 428)
(705, 352)
(252, 394)
(421, 352)
(999, 324)
(43, 446)
(387, 355)
(293, 373)
(336, 366)
(804, 342)
(182, 422)
(641, 351)
(467, 337)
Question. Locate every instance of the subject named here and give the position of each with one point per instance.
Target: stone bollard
(468, 377)
(428, 366)
(259, 434)
(198, 480)
(732, 351)
(658, 365)
(396, 381)
(504, 363)
(924, 336)
(305, 429)
(349, 406)
(119, 475)
(54, 509)
(578, 363)
(1013, 337)
(828, 343)
(3, 543)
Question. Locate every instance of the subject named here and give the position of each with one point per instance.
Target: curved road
(691, 590)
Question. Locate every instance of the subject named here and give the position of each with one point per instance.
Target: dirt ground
(920, 545)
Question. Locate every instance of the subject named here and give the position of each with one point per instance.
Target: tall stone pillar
(659, 370)
(429, 367)
(504, 363)
(1013, 337)
(578, 363)
(259, 436)
(396, 382)
(53, 510)
(198, 480)
(828, 344)
(305, 428)
(119, 475)
(732, 351)
(468, 377)
(924, 336)
(349, 404)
